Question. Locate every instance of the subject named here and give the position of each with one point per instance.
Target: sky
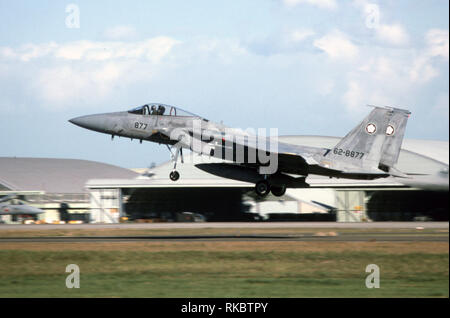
(304, 67)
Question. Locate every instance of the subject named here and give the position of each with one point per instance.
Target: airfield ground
(224, 262)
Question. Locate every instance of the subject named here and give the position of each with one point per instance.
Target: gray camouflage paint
(369, 151)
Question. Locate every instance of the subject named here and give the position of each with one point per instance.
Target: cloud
(64, 84)
(389, 76)
(337, 46)
(28, 51)
(368, 89)
(224, 49)
(440, 110)
(120, 32)
(151, 49)
(442, 104)
(393, 34)
(322, 4)
(63, 74)
(383, 79)
(354, 96)
(73, 74)
(325, 87)
(79, 73)
(437, 41)
(283, 42)
(298, 35)
(423, 68)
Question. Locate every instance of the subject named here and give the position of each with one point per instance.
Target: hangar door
(350, 206)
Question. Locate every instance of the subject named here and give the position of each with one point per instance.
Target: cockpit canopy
(161, 110)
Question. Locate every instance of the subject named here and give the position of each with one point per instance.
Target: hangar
(152, 193)
(49, 182)
(109, 192)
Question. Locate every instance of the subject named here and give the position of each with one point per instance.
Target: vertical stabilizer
(394, 137)
(362, 147)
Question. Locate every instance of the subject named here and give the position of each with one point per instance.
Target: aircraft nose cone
(74, 120)
(93, 122)
(82, 121)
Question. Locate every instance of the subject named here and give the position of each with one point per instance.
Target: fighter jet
(369, 151)
(17, 208)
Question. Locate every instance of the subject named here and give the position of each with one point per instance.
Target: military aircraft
(369, 151)
(17, 208)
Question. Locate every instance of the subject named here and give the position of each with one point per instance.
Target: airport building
(55, 185)
(80, 190)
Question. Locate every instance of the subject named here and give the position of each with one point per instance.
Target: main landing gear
(278, 190)
(174, 174)
(278, 183)
(263, 188)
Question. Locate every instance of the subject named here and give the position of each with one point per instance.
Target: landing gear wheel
(174, 175)
(262, 188)
(278, 191)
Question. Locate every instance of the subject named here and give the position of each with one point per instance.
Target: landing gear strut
(174, 174)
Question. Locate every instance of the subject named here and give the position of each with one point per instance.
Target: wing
(265, 154)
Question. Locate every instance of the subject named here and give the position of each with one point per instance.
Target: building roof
(54, 175)
(158, 177)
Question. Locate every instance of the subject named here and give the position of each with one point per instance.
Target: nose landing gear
(174, 174)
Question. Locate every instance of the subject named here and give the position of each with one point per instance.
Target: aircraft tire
(174, 175)
(262, 188)
(278, 191)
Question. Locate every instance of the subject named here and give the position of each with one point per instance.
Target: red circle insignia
(390, 130)
(371, 128)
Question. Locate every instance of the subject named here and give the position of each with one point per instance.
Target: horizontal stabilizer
(397, 173)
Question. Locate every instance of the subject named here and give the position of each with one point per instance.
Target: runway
(237, 225)
(308, 237)
(231, 231)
